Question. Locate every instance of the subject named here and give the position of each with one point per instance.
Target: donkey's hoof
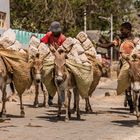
(44, 105)
(73, 110)
(58, 116)
(78, 117)
(67, 119)
(1, 113)
(125, 104)
(131, 111)
(3, 116)
(69, 115)
(91, 110)
(22, 114)
(138, 119)
(36, 105)
(88, 110)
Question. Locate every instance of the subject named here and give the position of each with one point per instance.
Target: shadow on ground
(126, 123)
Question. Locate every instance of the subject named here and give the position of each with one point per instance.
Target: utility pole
(85, 20)
(110, 20)
(111, 38)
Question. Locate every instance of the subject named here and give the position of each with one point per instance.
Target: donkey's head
(60, 72)
(59, 69)
(36, 68)
(134, 73)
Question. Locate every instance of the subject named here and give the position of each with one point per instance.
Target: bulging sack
(68, 43)
(32, 51)
(43, 49)
(16, 46)
(87, 44)
(83, 58)
(50, 56)
(82, 37)
(76, 41)
(34, 41)
(99, 57)
(22, 51)
(8, 38)
(78, 48)
(74, 55)
(86, 64)
(91, 51)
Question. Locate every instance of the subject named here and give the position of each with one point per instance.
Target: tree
(36, 15)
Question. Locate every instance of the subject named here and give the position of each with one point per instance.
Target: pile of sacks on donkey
(76, 63)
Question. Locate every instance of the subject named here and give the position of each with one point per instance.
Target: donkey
(36, 74)
(64, 82)
(6, 77)
(97, 73)
(134, 73)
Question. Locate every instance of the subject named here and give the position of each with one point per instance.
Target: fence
(24, 36)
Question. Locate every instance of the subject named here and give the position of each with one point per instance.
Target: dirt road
(109, 120)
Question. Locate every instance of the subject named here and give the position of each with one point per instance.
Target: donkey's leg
(36, 94)
(129, 99)
(67, 104)
(86, 105)
(22, 113)
(137, 107)
(77, 103)
(69, 101)
(74, 105)
(59, 106)
(125, 101)
(139, 103)
(12, 96)
(3, 111)
(134, 100)
(44, 93)
(88, 108)
(89, 105)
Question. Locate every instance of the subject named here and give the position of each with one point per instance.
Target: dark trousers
(50, 97)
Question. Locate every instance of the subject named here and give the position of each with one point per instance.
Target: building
(4, 15)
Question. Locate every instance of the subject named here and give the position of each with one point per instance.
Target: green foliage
(137, 4)
(36, 15)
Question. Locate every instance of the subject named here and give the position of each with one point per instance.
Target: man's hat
(55, 27)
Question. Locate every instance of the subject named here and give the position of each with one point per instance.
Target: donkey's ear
(52, 49)
(66, 57)
(44, 56)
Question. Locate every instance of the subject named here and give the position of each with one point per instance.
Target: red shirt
(50, 39)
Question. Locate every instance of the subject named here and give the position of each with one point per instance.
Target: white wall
(5, 7)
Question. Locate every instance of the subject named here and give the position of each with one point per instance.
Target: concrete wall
(5, 7)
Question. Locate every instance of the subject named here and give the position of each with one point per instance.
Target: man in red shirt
(54, 38)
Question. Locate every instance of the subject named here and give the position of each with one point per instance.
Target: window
(2, 19)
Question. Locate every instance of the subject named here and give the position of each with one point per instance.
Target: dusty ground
(109, 121)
